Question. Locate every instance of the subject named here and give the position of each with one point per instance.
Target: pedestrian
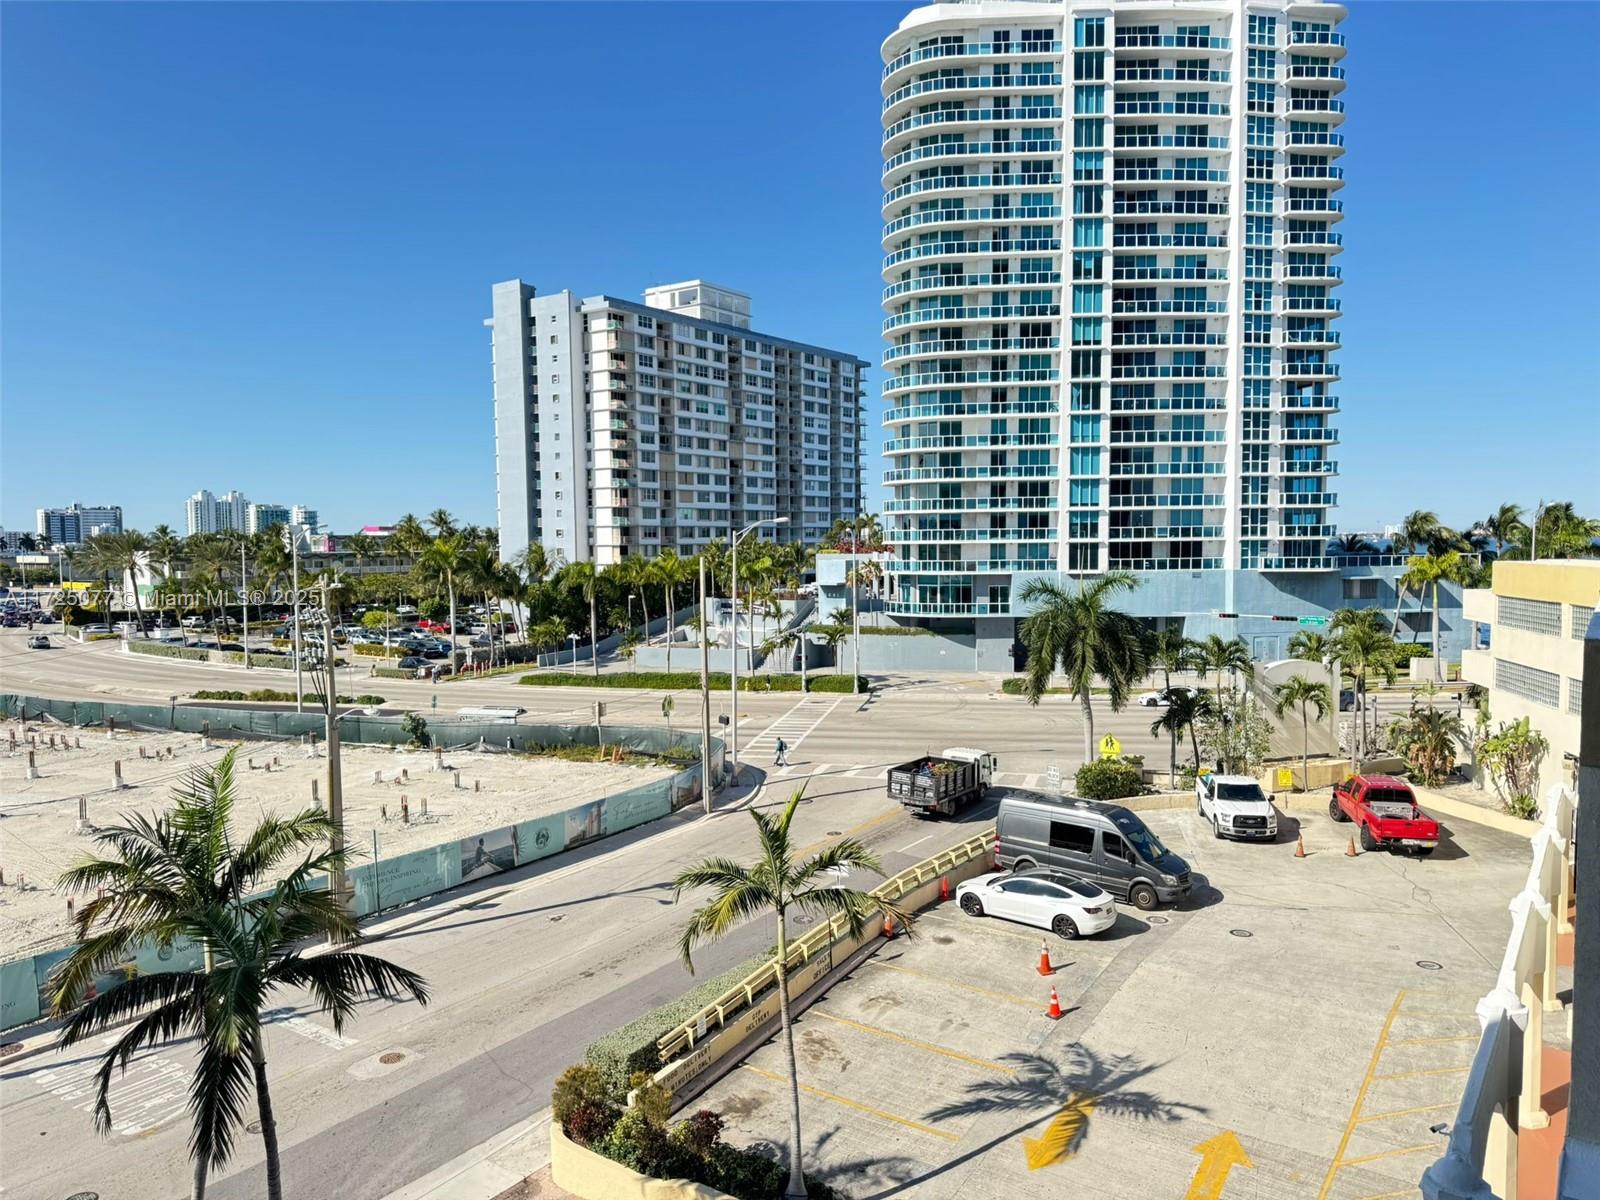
(781, 759)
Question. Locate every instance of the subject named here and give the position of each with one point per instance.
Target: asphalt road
(539, 963)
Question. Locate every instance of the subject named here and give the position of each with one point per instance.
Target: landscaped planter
(595, 1177)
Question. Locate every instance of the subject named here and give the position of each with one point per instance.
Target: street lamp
(733, 640)
(291, 543)
(573, 638)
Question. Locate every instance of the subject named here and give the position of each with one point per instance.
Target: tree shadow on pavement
(1062, 1097)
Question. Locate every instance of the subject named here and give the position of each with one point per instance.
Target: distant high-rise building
(76, 524)
(207, 513)
(307, 517)
(625, 428)
(261, 517)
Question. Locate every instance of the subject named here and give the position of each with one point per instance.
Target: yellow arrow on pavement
(1061, 1135)
(1218, 1156)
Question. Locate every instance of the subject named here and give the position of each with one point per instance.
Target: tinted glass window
(1071, 837)
(1087, 890)
(1023, 887)
(1115, 846)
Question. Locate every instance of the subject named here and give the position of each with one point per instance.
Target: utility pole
(299, 649)
(244, 605)
(855, 608)
(336, 878)
(705, 693)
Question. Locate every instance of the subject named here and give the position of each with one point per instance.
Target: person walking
(781, 758)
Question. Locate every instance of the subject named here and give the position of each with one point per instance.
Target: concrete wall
(592, 1176)
(910, 654)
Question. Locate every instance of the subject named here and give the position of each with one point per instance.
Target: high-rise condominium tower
(1110, 235)
(625, 428)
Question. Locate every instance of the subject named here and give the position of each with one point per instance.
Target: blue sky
(251, 245)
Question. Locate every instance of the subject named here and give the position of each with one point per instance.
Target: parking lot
(1318, 1010)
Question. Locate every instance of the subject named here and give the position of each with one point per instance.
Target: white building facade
(1110, 236)
(625, 428)
(204, 512)
(76, 524)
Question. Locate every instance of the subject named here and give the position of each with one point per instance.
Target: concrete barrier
(595, 1177)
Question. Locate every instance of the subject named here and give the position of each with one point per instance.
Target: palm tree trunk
(1399, 603)
(644, 606)
(1305, 748)
(1438, 659)
(796, 1189)
(1088, 725)
(1194, 741)
(666, 590)
(594, 637)
(269, 1125)
(450, 586)
(197, 1190)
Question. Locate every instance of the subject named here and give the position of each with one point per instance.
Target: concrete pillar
(33, 770)
(405, 811)
(1530, 1105)
(424, 806)
(1500, 1156)
(458, 779)
(316, 800)
(116, 775)
(111, 727)
(438, 758)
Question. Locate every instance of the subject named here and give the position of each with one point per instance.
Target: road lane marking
(918, 842)
(857, 1105)
(930, 1047)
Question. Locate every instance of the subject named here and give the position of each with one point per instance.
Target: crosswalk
(795, 725)
(1033, 781)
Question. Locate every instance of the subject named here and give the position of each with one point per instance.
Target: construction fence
(385, 883)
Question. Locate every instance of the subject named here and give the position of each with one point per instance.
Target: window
(1575, 696)
(1071, 837)
(1360, 589)
(1536, 616)
(1579, 626)
(1114, 846)
(1542, 687)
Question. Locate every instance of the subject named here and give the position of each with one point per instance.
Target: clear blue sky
(251, 245)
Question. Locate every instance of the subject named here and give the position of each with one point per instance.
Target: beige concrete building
(1525, 644)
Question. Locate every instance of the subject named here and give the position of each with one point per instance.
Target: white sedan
(1162, 697)
(1051, 900)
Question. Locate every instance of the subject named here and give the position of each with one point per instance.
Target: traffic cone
(1044, 958)
(1350, 850)
(888, 925)
(944, 888)
(1054, 1011)
(1300, 846)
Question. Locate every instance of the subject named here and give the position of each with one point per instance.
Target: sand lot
(38, 817)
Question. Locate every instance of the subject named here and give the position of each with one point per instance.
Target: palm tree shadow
(1062, 1097)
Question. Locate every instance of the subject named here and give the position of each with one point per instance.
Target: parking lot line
(1429, 1071)
(1409, 1193)
(1405, 1112)
(994, 927)
(966, 987)
(1361, 1095)
(857, 1105)
(913, 1042)
(1398, 1153)
(1433, 1041)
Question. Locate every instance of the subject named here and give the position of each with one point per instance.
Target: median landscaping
(690, 681)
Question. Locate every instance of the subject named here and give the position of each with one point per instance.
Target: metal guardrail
(744, 994)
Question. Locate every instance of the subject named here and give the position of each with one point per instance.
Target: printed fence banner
(636, 806)
(19, 993)
(541, 837)
(585, 823)
(409, 877)
(488, 854)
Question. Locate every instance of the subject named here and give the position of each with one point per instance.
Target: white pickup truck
(1236, 807)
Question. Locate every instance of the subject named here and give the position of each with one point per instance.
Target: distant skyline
(254, 244)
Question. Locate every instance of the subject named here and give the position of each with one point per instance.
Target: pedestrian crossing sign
(1110, 747)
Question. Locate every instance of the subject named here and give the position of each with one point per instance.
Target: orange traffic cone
(888, 925)
(1350, 850)
(944, 888)
(1044, 958)
(1054, 1011)
(1300, 846)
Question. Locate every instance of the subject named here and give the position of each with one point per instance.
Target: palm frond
(114, 1006)
(338, 979)
(712, 872)
(845, 853)
(217, 1095)
(733, 906)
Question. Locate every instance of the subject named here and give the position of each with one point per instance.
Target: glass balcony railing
(899, 383)
(1312, 370)
(1315, 71)
(1167, 141)
(1315, 37)
(1127, 273)
(985, 216)
(1313, 204)
(987, 312)
(969, 83)
(1167, 306)
(971, 441)
(1314, 271)
(1167, 372)
(913, 536)
(1176, 437)
(968, 346)
(1316, 237)
(1323, 337)
(991, 149)
(1137, 241)
(1304, 104)
(1168, 108)
(950, 183)
(948, 409)
(1006, 49)
(1165, 564)
(1323, 138)
(1167, 339)
(913, 474)
(970, 503)
(1178, 208)
(1311, 304)
(969, 116)
(1167, 175)
(1306, 563)
(948, 608)
(1170, 500)
(1145, 533)
(1170, 75)
(962, 283)
(1171, 41)
(1325, 434)
(1168, 468)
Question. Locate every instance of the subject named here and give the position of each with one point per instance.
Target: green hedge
(393, 673)
(258, 659)
(162, 650)
(690, 681)
(618, 1054)
(274, 695)
(895, 631)
(380, 651)
(1406, 651)
(1108, 779)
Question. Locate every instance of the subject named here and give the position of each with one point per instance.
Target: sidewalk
(496, 1168)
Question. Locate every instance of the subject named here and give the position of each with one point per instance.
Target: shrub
(366, 698)
(162, 650)
(1019, 687)
(102, 637)
(894, 631)
(1406, 651)
(393, 673)
(651, 1098)
(690, 681)
(371, 651)
(415, 726)
(1108, 779)
(257, 659)
(700, 1133)
(578, 1085)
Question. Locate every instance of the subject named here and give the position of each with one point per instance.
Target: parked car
(10, 622)
(46, 618)
(482, 640)
(406, 610)
(1387, 812)
(477, 627)
(98, 627)
(1105, 844)
(1347, 699)
(412, 662)
(38, 642)
(193, 622)
(1236, 807)
(1162, 697)
(1051, 900)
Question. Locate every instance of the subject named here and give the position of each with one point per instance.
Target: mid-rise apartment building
(207, 513)
(260, 517)
(624, 428)
(76, 524)
(1110, 237)
(1525, 645)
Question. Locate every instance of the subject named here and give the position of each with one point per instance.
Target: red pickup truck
(1386, 811)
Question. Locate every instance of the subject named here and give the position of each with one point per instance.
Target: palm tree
(1363, 648)
(1221, 654)
(1185, 711)
(1425, 571)
(1302, 693)
(409, 538)
(778, 884)
(1352, 543)
(1416, 531)
(123, 554)
(442, 523)
(582, 578)
(671, 573)
(480, 571)
(546, 635)
(637, 574)
(442, 562)
(180, 878)
(789, 639)
(1310, 646)
(1075, 630)
(1170, 651)
(165, 547)
(831, 636)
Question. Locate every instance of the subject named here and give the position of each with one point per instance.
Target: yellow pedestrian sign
(1110, 747)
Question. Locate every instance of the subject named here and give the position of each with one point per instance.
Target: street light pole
(299, 647)
(573, 638)
(336, 877)
(855, 608)
(733, 639)
(244, 605)
(705, 693)
(1533, 533)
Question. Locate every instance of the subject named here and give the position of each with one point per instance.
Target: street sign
(1319, 621)
(1110, 747)
(1052, 779)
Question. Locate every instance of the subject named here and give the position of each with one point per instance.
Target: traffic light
(1228, 616)
(1295, 619)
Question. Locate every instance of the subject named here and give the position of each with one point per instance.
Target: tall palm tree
(1305, 694)
(1352, 543)
(480, 571)
(1417, 530)
(1363, 648)
(672, 572)
(780, 884)
(409, 538)
(180, 878)
(1310, 646)
(831, 636)
(1185, 711)
(1170, 651)
(1076, 631)
(441, 562)
(1221, 654)
(124, 555)
(546, 635)
(441, 523)
(582, 578)
(165, 548)
(1428, 571)
(791, 640)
